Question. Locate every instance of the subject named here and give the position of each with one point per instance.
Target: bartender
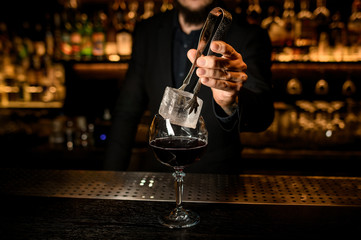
(236, 89)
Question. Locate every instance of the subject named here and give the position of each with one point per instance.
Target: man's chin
(196, 6)
(195, 15)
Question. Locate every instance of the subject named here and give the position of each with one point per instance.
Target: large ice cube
(173, 107)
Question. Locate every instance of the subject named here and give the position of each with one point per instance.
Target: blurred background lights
(103, 137)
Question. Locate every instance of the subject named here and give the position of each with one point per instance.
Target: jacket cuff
(227, 122)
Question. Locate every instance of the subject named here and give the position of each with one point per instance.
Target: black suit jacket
(150, 71)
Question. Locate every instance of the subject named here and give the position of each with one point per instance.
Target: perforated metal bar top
(205, 188)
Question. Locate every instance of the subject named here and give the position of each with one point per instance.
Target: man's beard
(194, 17)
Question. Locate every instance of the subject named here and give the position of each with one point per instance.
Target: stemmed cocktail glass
(177, 147)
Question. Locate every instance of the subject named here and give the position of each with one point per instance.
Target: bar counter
(83, 204)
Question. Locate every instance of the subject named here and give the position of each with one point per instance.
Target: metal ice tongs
(205, 38)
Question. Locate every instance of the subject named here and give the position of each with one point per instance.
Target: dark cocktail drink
(178, 151)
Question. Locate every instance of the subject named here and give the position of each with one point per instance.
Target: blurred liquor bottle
(338, 39)
(76, 37)
(65, 47)
(166, 5)
(132, 16)
(275, 27)
(148, 9)
(354, 30)
(111, 42)
(123, 37)
(305, 31)
(57, 33)
(98, 36)
(322, 23)
(289, 19)
(86, 40)
(254, 11)
(49, 36)
(321, 19)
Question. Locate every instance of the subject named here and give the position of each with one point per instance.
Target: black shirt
(181, 44)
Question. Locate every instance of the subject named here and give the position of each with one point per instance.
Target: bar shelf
(35, 105)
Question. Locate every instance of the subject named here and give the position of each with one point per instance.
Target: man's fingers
(220, 74)
(221, 63)
(223, 85)
(191, 54)
(225, 49)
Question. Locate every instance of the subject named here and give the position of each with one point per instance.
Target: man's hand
(224, 75)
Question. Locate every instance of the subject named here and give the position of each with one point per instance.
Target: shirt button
(185, 45)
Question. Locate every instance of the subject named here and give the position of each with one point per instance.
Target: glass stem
(178, 176)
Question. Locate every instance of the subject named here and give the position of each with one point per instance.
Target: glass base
(180, 218)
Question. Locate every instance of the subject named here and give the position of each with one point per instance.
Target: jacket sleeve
(130, 106)
(256, 110)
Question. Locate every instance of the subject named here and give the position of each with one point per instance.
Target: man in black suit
(236, 89)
